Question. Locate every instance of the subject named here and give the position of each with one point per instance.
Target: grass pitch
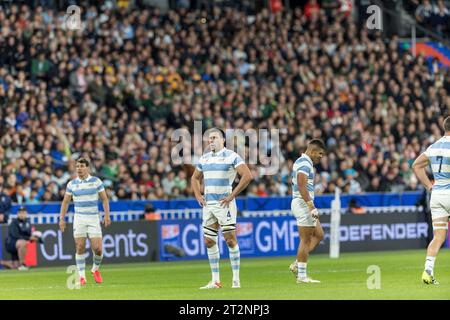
(261, 278)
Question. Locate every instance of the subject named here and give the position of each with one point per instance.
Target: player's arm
(302, 183)
(419, 167)
(105, 202)
(62, 213)
(195, 184)
(245, 178)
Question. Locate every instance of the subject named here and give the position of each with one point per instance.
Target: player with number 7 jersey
(438, 156)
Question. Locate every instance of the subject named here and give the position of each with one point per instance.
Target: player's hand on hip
(225, 202)
(201, 201)
(107, 221)
(62, 225)
(315, 214)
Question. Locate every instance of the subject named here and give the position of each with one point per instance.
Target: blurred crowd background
(116, 90)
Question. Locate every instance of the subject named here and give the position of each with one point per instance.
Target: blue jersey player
(85, 191)
(303, 209)
(218, 169)
(438, 156)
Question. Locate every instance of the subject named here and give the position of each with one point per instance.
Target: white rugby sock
(301, 269)
(81, 265)
(429, 263)
(235, 259)
(97, 260)
(214, 257)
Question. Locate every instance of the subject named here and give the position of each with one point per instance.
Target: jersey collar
(87, 178)
(307, 157)
(214, 154)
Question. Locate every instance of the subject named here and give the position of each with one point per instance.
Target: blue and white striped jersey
(439, 155)
(219, 171)
(85, 194)
(303, 165)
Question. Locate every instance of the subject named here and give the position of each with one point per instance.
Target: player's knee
(306, 241)
(21, 244)
(231, 242)
(209, 242)
(439, 238)
(440, 231)
(80, 249)
(210, 236)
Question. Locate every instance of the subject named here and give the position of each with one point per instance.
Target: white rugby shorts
(226, 217)
(439, 205)
(302, 213)
(87, 226)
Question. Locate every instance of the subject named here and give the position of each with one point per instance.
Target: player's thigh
(439, 206)
(80, 227)
(21, 244)
(440, 227)
(210, 227)
(94, 229)
(318, 230)
(96, 243)
(80, 243)
(302, 213)
(306, 233)
(209, 218)
(227, 219)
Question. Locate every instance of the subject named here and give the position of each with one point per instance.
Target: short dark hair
(84, 161)
(215, 129)
(447, 124)
(318, 143)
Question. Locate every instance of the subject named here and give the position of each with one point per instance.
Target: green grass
(261, 278)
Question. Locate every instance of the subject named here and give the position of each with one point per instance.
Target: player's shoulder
(230, 154)
(72, 182)
(443, 142)
(302, 160)
(95, 179)
(205, 156)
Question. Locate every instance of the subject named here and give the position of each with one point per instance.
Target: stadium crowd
(117, 89)
(434, 15)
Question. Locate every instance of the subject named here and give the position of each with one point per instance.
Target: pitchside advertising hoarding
(171, 240)
(278, 236)
(135, 241)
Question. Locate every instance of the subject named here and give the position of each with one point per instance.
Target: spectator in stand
(5, 205)
(261, 190)
(312, 10)
(440, 18)
(181, 181)
(424, 13)
(131, 77)
(252, 191)
(168, 183)
(150, 213)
